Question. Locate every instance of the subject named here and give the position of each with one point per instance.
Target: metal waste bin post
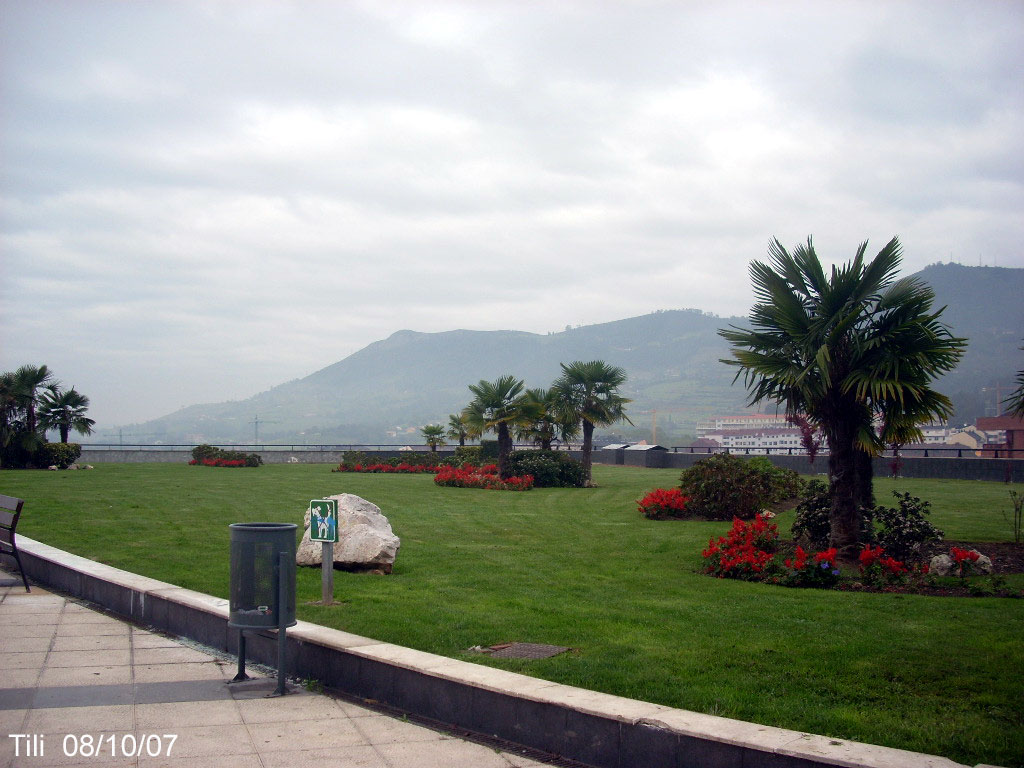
(262, 586)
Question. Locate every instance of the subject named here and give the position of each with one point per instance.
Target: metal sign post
(323, 527)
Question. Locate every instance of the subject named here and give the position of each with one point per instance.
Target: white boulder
(365, 539)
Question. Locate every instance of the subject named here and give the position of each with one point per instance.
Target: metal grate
(526, 651)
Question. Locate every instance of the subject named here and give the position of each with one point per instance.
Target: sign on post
(323, 520)
(323, 527)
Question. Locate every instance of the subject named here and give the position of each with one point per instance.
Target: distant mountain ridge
(671, 357)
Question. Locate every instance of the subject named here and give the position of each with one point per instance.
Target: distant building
(716, 425)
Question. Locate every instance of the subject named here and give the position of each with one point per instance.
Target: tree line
(585, 396)
(33, 402)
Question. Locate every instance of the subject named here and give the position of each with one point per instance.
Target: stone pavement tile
(163, 673)
(80, 720)
(451, 753)
(209, 741)
(11, 721)
(355, 710)
(91, 643)
(107, 658)
(85, 676)
(13, 605)
(314, 733)
(387, 730)
(34, 629)
(14, 618)
(19, 678)
(179, 691)
(143, 639)
(28, 660)
(291, 707)
(223, 761)
(26, 644)
(65, 629)
(82, 696)
(341, 757)
(87, 616)
(170, 655)
(184, 714)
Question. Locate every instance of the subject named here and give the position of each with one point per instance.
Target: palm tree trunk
(845, 517)
(504, 449)
(64, 429)
(588, 444)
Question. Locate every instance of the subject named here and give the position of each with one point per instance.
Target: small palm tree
(845, 349)
(500, 407)
(1015, 402)
(64, 410)
(28, 380)
(433, 434)
(588, 394)
(550, 422)
(458, 427)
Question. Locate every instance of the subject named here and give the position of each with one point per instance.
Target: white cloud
(201, 200)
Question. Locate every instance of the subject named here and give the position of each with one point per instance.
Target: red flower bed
(662, 503)
(402, 468)
(218, 462)
(746, 552)
(486, 477)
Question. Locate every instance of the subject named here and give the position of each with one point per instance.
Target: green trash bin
(262, 586)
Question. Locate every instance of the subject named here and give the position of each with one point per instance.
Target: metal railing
(916, 451)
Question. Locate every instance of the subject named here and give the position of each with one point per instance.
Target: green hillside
(672, 359)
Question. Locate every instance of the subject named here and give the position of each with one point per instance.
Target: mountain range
(384, 392)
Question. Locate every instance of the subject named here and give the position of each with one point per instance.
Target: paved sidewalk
(84, 688)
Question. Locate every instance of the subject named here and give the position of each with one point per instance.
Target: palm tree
(1015, 402)
(64, 410)
(848, 350)
(458, 427)
(550, 421)
(588, 393)
(433, 434)
(499, 407)
(27, 381)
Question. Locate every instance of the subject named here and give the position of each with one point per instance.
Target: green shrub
(903, 530)
(812, 524)
(62, 455)
(550, 469)
(488, 451)
(465, 454)
(205, 451)
(723, 486)
(350, 458)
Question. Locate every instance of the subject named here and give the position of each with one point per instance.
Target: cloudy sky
(200, 200)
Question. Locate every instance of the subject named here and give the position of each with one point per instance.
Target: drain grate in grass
(524, 651)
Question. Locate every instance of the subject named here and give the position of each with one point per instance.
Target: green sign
(323, 520)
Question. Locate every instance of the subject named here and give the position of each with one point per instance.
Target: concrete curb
(590, 727)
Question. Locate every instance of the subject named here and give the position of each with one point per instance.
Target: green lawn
(581, 568)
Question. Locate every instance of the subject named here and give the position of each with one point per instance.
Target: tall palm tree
(433, 434)
(588, 394)
(550, 421)
(64, 410)
(458, 428)
(500, 407)
(849, 349)
(1015, 402)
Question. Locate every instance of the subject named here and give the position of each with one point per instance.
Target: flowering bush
(904, 529)
(218, 462)
(486, 477)
(662, 503)
(379, 467)
(747, 552)
(964, 559)
(819, 570)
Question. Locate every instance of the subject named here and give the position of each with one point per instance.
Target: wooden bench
(10, 511)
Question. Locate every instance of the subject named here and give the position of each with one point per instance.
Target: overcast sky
(201, 200)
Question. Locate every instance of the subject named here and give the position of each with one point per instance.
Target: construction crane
(256, 428)
(654, 419)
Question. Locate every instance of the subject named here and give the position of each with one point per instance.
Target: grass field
(581, 568)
